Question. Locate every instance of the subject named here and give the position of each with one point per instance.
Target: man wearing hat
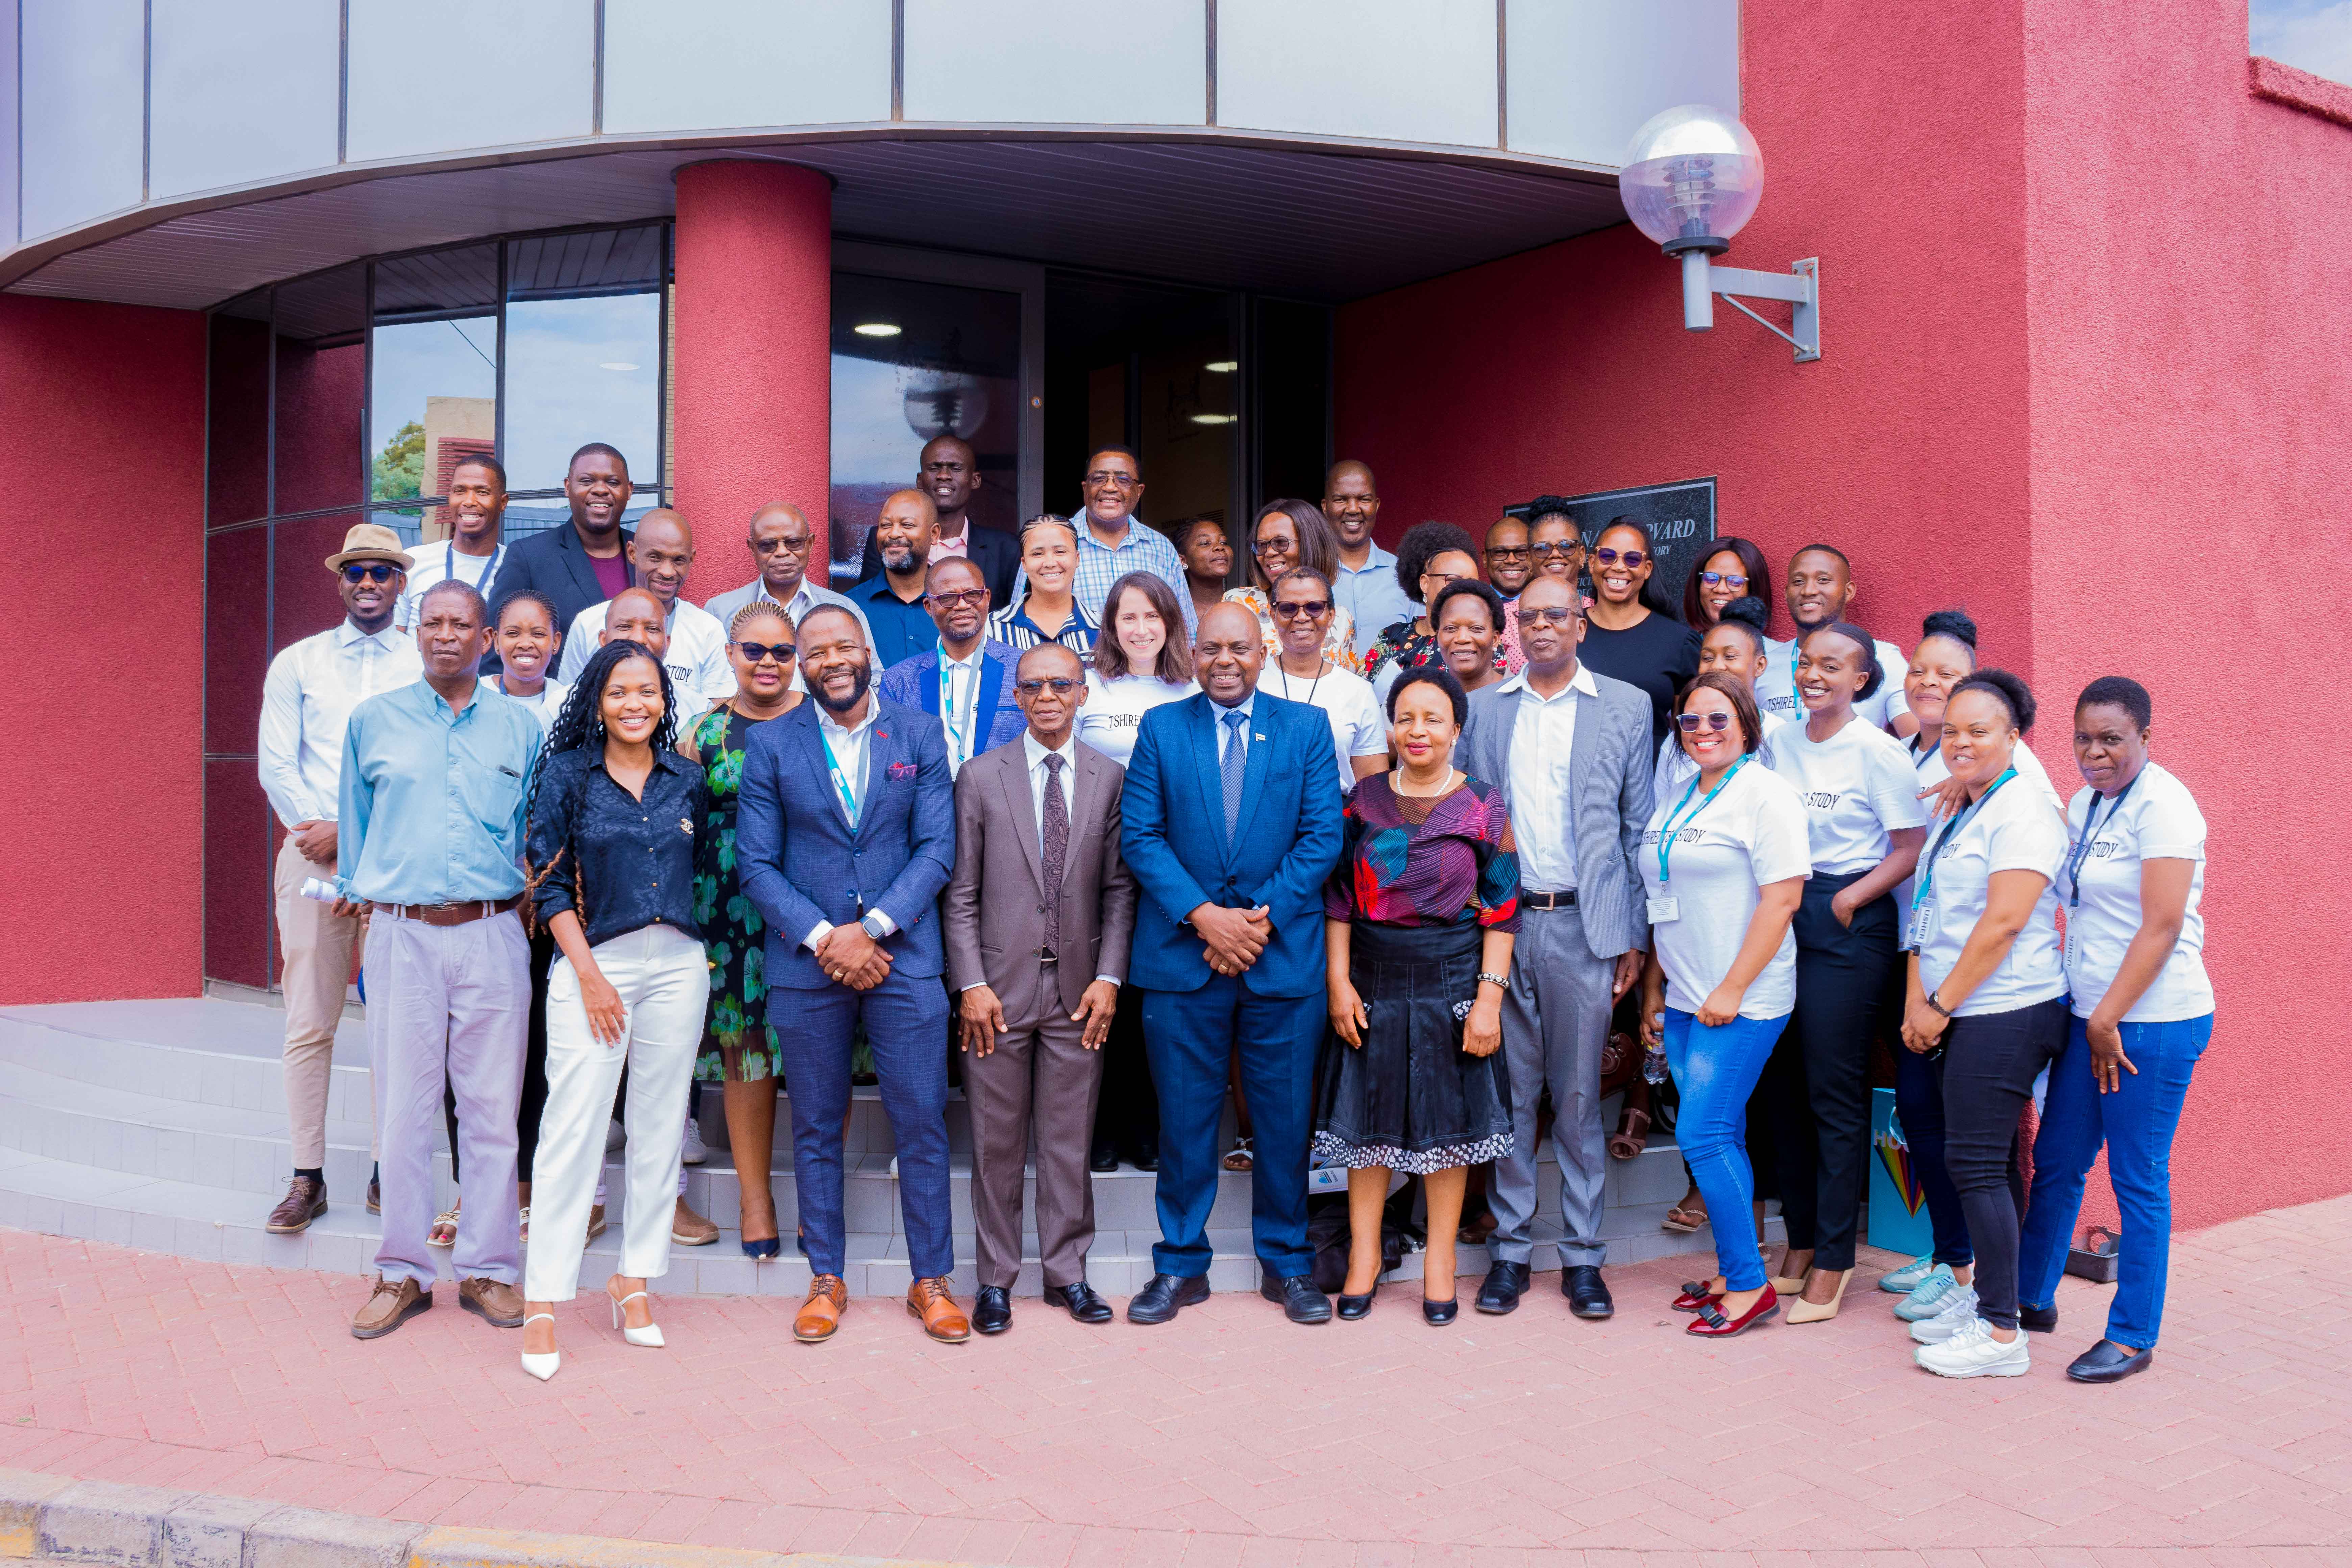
(306, 703)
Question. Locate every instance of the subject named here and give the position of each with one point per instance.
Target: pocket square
(902, 769)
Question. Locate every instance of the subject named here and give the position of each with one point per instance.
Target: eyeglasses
(1270, 546)
(759, 652)
(1116, 481)
(1443, 577)
(1310, 609)
(957, 598)
(1608, 557)
(1557, 615)
(370, 572)
(1062, 684)
(1558, 547)
(1722, 579)
(1505, 551)
(1715, 721)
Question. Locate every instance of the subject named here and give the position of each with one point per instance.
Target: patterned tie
(1237, 761)
(1057, 849)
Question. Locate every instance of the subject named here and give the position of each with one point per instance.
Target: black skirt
(1410, 1098)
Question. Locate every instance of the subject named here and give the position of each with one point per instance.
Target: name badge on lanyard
(840, 780)
(1923, 901)
(959, 739)
(1664, 908)
(2075, 857)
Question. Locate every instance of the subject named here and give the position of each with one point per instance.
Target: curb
(56, 1519)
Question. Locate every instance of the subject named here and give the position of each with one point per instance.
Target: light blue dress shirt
(1372, 595)
(433, 799)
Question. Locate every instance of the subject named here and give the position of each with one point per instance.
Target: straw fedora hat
(370, 541)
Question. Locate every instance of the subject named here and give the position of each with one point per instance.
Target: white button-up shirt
(848, 747)
(306, 701)
(1543, 816)
(1037, 754)
(959, 703)
(1225, 732)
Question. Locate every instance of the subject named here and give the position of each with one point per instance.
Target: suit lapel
(813, 745)
(877, 740)
(1205, 774)
(1579, 756)
(1260, 730)
(984, 702)
(931, 669)
(1084, 793)
(1014, 770)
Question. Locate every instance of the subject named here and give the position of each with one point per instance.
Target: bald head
(1228, 651)
(1352, 504)
(635, 615)
(903, 534)
(780, 542)
(662, 552)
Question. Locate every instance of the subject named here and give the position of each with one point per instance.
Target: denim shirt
(629, 862)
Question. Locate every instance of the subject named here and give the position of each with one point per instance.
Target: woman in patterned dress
(1419, 919)
(1290, 535)
(739, 1047)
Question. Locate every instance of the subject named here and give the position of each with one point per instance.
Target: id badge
(1923, 925)
(1662, 910)
(2071, 958)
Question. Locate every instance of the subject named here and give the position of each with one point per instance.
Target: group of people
(1377, 844)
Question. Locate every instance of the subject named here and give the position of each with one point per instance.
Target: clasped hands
(1231, 940)
(847, 954)
(981, 1014)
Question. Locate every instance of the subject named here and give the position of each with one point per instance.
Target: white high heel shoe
(650, 1336)
(542, 1367)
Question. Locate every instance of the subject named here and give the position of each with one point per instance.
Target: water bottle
(318, 891)
(1653, 1065)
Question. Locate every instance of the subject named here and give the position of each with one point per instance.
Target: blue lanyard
(1666, 834)
(2090, 828)
(840, 779)
(948, 712)
(1951, 831)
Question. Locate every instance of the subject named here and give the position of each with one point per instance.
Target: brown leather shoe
(688, 1229)
(391, 1304)
(305, 1200)
(931, 1300)
(497, 1303)
(820, 1313)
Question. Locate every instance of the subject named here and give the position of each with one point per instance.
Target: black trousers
(534, 1070)
(1986, 1068)
(1127, 1115)
(1819, 1072)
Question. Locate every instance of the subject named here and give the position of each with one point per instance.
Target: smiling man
(1113, 542)
(476, 547)
(949, 472)
(964, 680)
(894, 602)
(586, 561)
(695, 643)
(1821, 587)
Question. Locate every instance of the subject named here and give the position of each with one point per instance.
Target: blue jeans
(1715, 1070)
(2137, 1123)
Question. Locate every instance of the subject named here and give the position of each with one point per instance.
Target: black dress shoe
(2108, 1361)
(1587, 1296)
(1147, 1155)
(1158, 1301)
(991, 1309)
(1102, 1157)
(2040, 1319)
(1301, 1302)
(1083, 1304)
(1437, 1314)
(1354, 1307)
(1505, 1283)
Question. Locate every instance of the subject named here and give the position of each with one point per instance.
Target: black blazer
(996, 553)
(556, 564)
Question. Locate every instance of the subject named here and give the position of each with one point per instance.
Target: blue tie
(1236, 759)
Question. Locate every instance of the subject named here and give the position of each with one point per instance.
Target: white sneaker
(1960, 1311)
(695, 1153)
(1906, 1279)
(1972, 1352)
(1934, 1292)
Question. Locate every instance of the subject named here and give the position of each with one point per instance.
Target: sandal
(1240, 1158)
(1475, 1233)
(1628, 1141)
(1685, 1216)
(444, 1232)
(523, 1224)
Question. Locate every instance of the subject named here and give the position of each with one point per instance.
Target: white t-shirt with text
(1750, 834)
(1358, 728)
(1114, 710)
(1776, 687)
(2157, 819)
(1856, 785)
(2013, 828)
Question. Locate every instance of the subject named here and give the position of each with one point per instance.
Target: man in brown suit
(1039, 914)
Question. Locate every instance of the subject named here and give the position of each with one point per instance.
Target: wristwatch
(871, 924)
(1939, 1006)
(1494, 980)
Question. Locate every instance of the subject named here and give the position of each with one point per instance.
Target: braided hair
(581, 725)
(758, 609)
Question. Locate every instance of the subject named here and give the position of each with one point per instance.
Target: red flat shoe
(1695, 1295)
(1712, 1324)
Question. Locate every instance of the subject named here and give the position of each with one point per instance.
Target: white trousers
(664, 979)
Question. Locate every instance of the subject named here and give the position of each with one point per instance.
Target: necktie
(1236, 759)
(1057, 849)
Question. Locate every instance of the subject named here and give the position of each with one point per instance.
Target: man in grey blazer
(1037, 860)
(1570, 749)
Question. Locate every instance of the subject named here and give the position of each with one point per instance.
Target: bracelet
(1939, 1006)
(1494, 980)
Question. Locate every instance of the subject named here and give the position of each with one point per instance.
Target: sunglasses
(759, 652)
(1722, 579)
(1690, 721)
(370, 572)
(957, 598)
(1310, 609)
(1608, 557)
(1558, 615)
(1558, 547)
(1062, 684)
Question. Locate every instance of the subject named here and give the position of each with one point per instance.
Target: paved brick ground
(1229, 1437)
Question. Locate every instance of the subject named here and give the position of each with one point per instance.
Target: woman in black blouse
(1629, 631)
(615, 813)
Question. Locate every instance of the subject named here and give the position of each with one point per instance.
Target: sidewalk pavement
(1229, 1436)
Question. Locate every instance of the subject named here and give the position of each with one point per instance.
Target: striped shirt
(1012, 626)
(1145, 549)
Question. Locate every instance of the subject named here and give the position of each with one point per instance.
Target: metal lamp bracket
(1800, 286)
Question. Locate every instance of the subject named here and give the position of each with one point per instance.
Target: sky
(2311, 34)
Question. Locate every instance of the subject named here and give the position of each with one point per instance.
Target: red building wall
(2085, 321)
(101, 454)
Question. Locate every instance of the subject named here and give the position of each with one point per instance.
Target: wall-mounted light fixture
(1690, 180)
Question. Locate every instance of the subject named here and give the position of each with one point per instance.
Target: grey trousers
(449, 1004)
(1045, 1076)
(1555, 1025)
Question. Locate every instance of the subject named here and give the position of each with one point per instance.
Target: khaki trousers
(318, 945)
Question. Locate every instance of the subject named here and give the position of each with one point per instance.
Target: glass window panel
(434, 381)
(240, 841)
(952, 366)
(237, 412)
(321, 392)
(579, 369)
(1291, 375)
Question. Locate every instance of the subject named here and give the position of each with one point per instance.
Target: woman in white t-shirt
(1724, 863)
(1866, 825)
(1303, 671)
(1986, 1002)
(2131, 885)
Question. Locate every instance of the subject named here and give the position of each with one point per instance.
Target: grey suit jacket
(1609, 786)
(996, 918)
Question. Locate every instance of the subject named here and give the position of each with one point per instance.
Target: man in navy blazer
(845, 836)
(1230, 825)
(974, 703)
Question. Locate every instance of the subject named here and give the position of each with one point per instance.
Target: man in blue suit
(846, 834)
(966, 681)
(1232, 823)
